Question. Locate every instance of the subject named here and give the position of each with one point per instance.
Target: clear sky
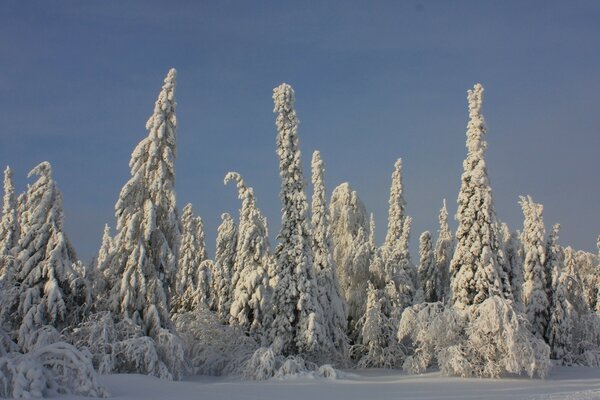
(374, 81)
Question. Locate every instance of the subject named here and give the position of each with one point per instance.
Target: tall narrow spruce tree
(444, 246)
(297, 324)
(146, 246)
(250, 285)
(330, 296)
(476, 272)
(535, 298)
(52, 291)
(9, 224)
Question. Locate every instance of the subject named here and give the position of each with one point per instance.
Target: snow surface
(574, 383)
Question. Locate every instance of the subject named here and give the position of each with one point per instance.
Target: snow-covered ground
(574, 383)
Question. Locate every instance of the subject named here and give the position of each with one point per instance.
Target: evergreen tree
(563, 317)
(227, 237)
(146, 247)
(427, 269)
(330, 298)
(52, 292)
(372, 233)
(189, 288)
(444, 247)
(297, 318)
(535, 297)
(512, 251)
(250, 299)
(476, 272)
(191, 251)
(397, 205)
(352, 251)
(9, 225)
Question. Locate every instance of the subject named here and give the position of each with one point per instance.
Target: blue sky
(374, 81)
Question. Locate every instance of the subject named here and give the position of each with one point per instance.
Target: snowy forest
(488, 300)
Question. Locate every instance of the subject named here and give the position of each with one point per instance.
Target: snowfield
(574, 383)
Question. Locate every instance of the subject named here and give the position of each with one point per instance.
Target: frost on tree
(444, 246)
(227, 237)
(297, 318)
(51, 290)
(328, 286)
(9, 225)
(534, 293)
(250, 283)
(146, 247)
(352, 252)
(513, 253)
(476, 271)
(427, 269)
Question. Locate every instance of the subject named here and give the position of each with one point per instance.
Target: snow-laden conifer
(563, 317)
(297, 317)
(143, 263)
(352, 251)
(372, 232)
(330, 297)
(534, 294)
(9, 225)
(52, 292)
(427, 269)
(513, 251)
(146, 246)
(397, 205)
(476, 272)
(250, 300)
(376, 342)
(227, 238)
(444, 246)
(191, 251)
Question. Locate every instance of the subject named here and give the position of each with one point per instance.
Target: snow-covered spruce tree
(476, 273)
(9, 225)
(392, 262)
(534, 294)
(192, 252)
(376, 346)
(352, 251)
(143, 263)
(444, 246)
(562, 317)
(250, 300)
(330, 297)
(372, 232)
(52, 293)
(146, 246)
(227, 237)
(297, 318)
(554, 260)
(512, 250)
(98, 279)
(427, 270)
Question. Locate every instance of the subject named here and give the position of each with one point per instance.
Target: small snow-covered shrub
(266, 364)
(426, 329)
(485, 340)
(122, 346)
(55, 368)
(498, 341)
(211, 347)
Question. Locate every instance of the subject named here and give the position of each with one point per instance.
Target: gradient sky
(374, 81)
